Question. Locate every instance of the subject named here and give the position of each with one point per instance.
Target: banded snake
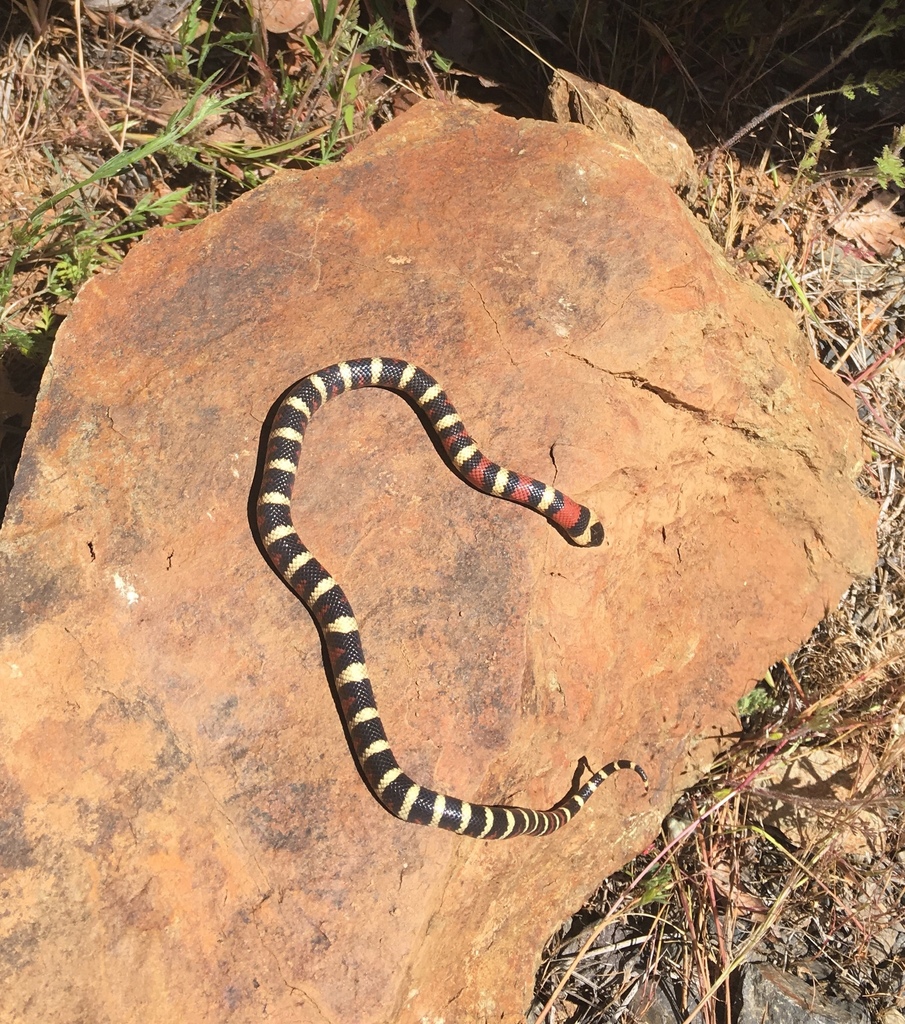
(325, 600)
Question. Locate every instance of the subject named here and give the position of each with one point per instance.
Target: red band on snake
(324, 598)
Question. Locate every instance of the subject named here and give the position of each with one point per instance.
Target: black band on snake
(330, 608)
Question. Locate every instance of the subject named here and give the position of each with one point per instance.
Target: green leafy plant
(337, 50)
(755, 702)
(889, 165)
(71, 243)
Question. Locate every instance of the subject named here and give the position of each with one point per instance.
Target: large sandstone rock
(185, 835)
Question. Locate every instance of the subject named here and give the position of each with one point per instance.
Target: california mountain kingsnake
(326, 601)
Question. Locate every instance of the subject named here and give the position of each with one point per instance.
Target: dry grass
(791, 850)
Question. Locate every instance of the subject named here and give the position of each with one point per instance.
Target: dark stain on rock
(16, 852)
(293, 817)
(220, 722)
(17, 949)
(38, 595)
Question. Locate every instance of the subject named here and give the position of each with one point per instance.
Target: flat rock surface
(183, 832)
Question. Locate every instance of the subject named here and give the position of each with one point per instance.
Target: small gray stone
(770, 996)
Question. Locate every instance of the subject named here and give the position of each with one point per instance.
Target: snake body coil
(326, 601)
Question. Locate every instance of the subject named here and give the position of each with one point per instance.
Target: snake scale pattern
(324, 597)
